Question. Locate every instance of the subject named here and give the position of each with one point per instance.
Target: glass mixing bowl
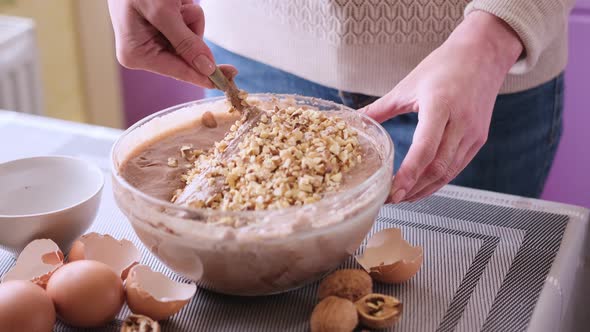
(279, 250)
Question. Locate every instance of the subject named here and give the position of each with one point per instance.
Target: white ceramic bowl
(53, 197)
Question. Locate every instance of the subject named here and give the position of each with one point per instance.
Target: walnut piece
(351, 284)
(189, 154)
(378, 311)
(140, 323)
(172, 162)
(334, 314)
(208, 120)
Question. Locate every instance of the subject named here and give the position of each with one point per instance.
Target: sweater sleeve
(537, 23)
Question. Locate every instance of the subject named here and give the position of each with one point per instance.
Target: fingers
(448, 157)
(386, 107)
(194, 18)
(189, 45)
(432, 119)
(171, 65)
(434, 183)
(435, 186)
(229, 71)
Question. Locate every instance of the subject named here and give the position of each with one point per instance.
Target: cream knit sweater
(368, 46)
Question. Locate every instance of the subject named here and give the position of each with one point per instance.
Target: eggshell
(120, 255)
(155, 295)
(388, 258)
(25, 306)
(86, 293)
(38, 260)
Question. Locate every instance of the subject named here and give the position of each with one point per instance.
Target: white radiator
(20, 79)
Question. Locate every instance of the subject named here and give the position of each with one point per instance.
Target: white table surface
(562, 305)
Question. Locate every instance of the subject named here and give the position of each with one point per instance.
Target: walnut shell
(140, 323)
(334, 314)
(378, 311)
(351, 284)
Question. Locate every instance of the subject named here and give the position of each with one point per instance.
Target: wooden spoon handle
(218, 78)
(229, 87)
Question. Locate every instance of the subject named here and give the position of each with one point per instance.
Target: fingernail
(398, 196)
(204, 65)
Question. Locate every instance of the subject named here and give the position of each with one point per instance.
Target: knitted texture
(369, 21)
(368, 46)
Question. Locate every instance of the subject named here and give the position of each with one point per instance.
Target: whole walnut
(334, 314)
(351, 284)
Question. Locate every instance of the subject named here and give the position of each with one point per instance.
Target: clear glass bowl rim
(344, 195)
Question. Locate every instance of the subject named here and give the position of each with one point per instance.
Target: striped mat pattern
(484, 265)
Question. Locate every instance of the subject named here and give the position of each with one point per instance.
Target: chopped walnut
(172, 162)
(290, 157)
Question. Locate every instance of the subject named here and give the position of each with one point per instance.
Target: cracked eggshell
(36, 263)
(153, 294)
(389, 258)
(120, 255)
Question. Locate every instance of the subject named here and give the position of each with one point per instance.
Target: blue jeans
(524, 133)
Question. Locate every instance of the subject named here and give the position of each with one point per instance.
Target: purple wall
(569, 180)
(145, 93)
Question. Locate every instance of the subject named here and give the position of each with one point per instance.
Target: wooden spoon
(200, 188)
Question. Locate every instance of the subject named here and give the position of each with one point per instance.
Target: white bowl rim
(92, 166)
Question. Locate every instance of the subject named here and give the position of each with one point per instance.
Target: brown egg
(25, 306)
(86, 293)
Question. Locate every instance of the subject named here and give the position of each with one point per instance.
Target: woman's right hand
(164, 37)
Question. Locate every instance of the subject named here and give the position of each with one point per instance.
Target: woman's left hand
(453, 90)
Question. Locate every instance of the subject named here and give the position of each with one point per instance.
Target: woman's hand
(453, 90)
(165, 37)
